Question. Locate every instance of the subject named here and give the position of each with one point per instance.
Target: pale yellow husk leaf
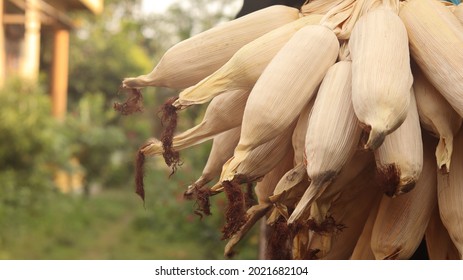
(362, 250)
(437, 116)
(333, 132)
(193, 59)
(263, 190)
(222, 149)
(438, 242)
(284, 88)
(399, 159)
(401, 222)
(450, 195)
(381, 75)
(245, 67)
(260, 161)
(436, 44)
(223, 113)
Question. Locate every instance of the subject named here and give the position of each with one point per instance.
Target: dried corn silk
(223, 113)
(222, 149)
(263, 190)
(349, 210)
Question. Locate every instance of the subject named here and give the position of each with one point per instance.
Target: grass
(114, 224)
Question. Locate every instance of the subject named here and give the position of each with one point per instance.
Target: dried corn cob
(193, 59)
(381, 75)
(458, 12)
(399, 160)
(437, 116)
(222, 149)
(333, 133)
(362, 250)
(223, 113)
(438, 242)
(320, 220)
(401, 222)
(260, 161)
(263, 190)
(450, 195)
(350, 209)
(432, 29)
(284, 88)
(245, 67)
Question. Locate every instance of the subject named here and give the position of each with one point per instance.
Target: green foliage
(28, 147)
(37, 221)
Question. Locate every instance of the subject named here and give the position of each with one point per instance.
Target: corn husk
(450, 195)
(438, 242)
(436, 116)
(193, 59)
(401, 222)
(284, 88)
(223, 113)
(458, 12)
(362, 250)
(399, 159)
(261, 160)
(436, 44)
(333, 133)
(263, 190)
(245, 67)
(222, 149)
(381, 75)
(349, 209)
(304, 244)
(300, 131)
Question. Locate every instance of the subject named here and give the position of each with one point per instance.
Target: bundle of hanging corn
(343, 115)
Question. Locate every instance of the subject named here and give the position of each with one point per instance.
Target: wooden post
(31, 56)
(60, 71)
(2, 47)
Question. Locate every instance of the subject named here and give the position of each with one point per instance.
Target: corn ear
(399, 159)
(432, 28)
(245, 67)
(298, 139)
(333, 133)
(263, 190)
(193, 59)
(349, 209)
(222, 149)
(458, 12)
(223, 113)
(284, 88)
(261, 160)
(362, 250)
(381, 75)
(438, 242)
(436, 116)
(401, 222)
(450, 195)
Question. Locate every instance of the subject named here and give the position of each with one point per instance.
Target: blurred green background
(101, 217)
